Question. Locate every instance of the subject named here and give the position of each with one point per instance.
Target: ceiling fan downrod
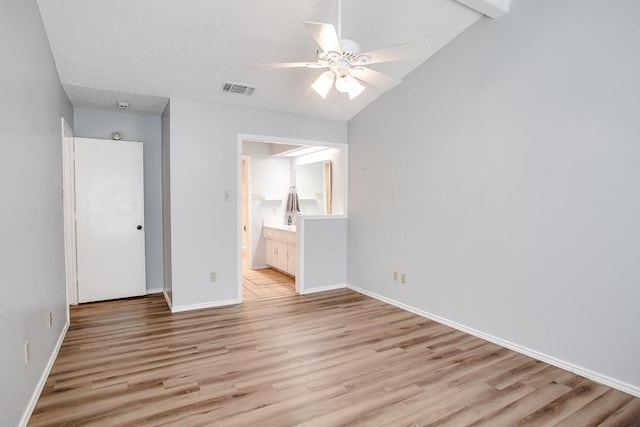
(339, 19)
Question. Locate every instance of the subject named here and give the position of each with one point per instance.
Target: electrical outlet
(227, 195)
(27, 352)
(212, 276)
(395, 276)
(50, 320)
(403, 278)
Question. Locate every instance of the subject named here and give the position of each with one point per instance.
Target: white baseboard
(43, 378)
(595, 376)
(212, 304)
(167, 299)
(155, 291)
(323, 288)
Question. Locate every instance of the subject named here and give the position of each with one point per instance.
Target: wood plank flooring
(333, 358)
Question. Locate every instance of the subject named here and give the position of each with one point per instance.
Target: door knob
(139, 227)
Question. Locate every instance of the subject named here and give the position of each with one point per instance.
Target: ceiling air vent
(238, 88)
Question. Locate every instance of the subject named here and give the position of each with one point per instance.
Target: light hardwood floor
(333, 358)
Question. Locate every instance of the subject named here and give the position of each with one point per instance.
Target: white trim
(595, 376)
(167, 299)
(299, 279)
(325, 288)
(154, 291)
(26, 416)
(249, 212)
(68, 202)
(291, 141)
(199, 306)
(239, 293)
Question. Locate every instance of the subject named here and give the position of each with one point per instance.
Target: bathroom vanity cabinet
(281, 248)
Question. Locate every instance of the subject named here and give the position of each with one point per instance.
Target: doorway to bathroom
(263, 282)
(272, 248)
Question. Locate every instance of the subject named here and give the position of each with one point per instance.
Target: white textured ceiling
(145, 51)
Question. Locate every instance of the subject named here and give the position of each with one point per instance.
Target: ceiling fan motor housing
(340, 68)
(350, 47)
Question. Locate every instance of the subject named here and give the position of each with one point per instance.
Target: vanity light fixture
(301, 151)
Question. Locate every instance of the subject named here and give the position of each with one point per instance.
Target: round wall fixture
(116, 135)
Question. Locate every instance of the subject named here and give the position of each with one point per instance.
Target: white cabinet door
(109, 219)
(281, 249)
(271, 255)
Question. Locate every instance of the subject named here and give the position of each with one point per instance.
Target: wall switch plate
(212, 276)
(27, 352)
(395, 276)
(403, 278)
(227, 195)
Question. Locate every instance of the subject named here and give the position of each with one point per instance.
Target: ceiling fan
(347, 65)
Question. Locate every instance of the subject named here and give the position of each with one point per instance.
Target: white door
(109, 219)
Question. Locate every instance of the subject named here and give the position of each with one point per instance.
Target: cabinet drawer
(289, 237)
(270, 233)
(281, 235)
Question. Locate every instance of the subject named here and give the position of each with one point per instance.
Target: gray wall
(204, 164)
(32, 269)
(325, 253)
(502, 178)
(92, 123)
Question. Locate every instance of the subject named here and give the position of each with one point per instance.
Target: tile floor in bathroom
(266, 283)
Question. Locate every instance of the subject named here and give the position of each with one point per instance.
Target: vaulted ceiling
(146, 51)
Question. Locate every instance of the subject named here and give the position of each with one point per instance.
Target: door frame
(247, 200)
(69, 213)
(299, 278)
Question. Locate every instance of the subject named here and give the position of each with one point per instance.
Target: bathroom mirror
(313, 183)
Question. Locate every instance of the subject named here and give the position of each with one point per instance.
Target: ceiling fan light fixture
(355, 88)
(348, 84)
(342, 83)
(323, 83)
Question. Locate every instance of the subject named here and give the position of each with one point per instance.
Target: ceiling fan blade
(288, 65)
(325, 35)
(375, 78)
(412, 49)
